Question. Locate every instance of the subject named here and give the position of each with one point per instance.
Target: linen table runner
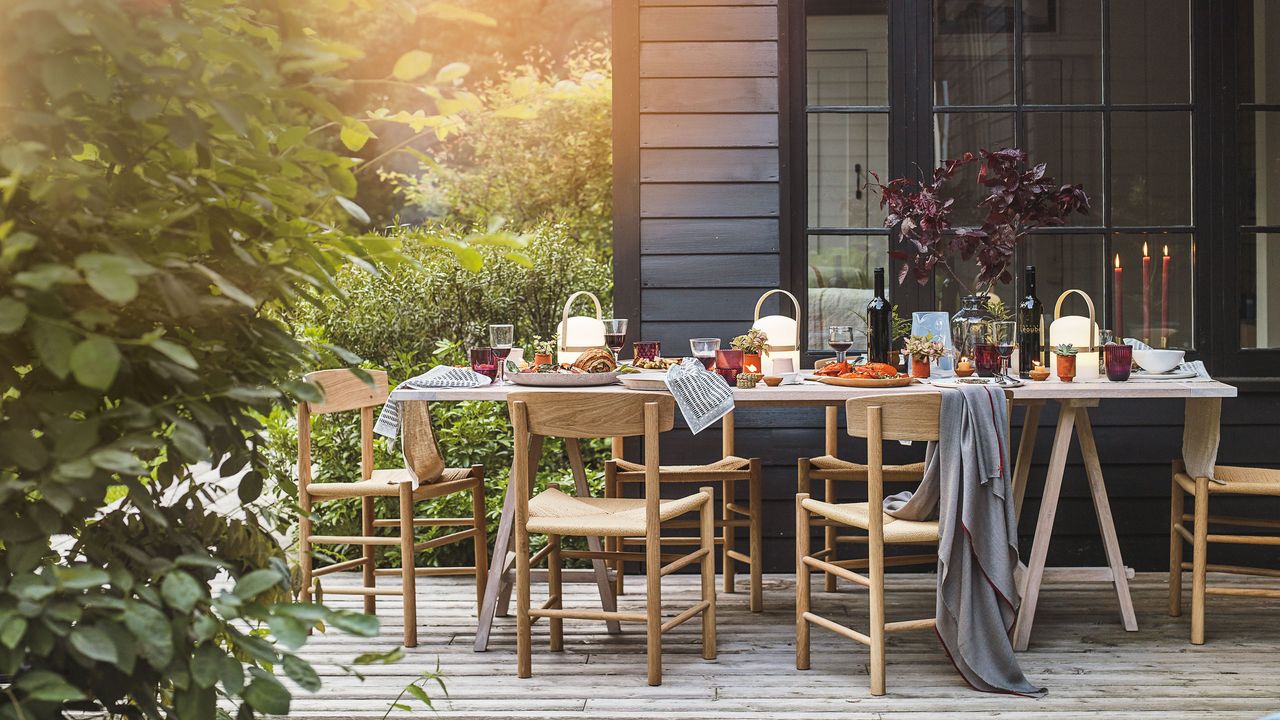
(1202, 424)
(967, 487)
(703, 397)
(440, 376)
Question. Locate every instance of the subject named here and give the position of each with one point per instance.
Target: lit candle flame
(1117, 259)
(1144, 250)
(1166, 251)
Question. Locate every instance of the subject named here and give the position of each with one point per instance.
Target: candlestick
(1146, 295)
(1117, 291)
(1164, 299)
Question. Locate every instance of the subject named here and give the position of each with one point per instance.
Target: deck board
(1079, 651)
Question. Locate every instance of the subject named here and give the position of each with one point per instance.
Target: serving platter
(564, 379)
(863, 382)
(644, 381)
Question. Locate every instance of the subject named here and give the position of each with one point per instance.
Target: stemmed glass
(1004, 336)
(840, 338)
(615, 335)
(501, 338)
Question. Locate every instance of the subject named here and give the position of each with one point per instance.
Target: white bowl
(1158, 361)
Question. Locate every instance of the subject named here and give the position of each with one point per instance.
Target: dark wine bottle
(1030, 327)
(879, 323)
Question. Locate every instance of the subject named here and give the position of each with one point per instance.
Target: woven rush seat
(1239, 481)
(730, 463)
(856, 515)
(386, 483)
(892, 473)
(555, 513)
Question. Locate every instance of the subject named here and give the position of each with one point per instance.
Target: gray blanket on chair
(967, 487)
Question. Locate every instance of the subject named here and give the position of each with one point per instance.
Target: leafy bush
(169, 172)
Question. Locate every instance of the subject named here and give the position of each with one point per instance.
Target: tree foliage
(169, 172)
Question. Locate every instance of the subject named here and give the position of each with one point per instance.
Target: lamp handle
(564, 317)
(794, 302)
(1093, 323)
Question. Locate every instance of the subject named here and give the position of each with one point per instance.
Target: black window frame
(1216, 198)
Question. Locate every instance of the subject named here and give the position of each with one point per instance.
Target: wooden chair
(344, 391)
(1239, 481)
(536, 415)
(830, 469)
(877, 418)
(726, 473)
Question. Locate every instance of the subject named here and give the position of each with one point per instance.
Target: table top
(814, 393)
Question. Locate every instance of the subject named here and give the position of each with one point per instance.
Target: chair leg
(555, 590)
(728, 564)
(369, 553)
(1199, 560)
(481, 540)
(829, 541)
(653, 607)
(304, 546)
(707, 514)
(876, 567)
(1177, 503)
(802, 579)
(408, 577)
(614, 544)
(524, 661)
(755, 495)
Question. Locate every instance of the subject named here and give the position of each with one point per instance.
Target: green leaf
(412, 65)
(12, 315)
(301, 672)
(151, 629)
(11, 632)
(53, 346)
(119, 461)
(355, 134)
(94, 643)
(383, 658)
(256, 583)
(205, 665)
(452, 71)
(95, 362)
(23, 448)
(266, 694)
(355, 623)
(289, 632)
(353, 209)
(250, 487)
(48, 686)
(181, 591)
(199, 703)
(416, 690)
(449, 11)
(81, 577)
(176, 353)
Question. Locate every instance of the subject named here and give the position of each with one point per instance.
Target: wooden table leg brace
(1073, 419)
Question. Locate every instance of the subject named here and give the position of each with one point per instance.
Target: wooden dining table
(1074, 400)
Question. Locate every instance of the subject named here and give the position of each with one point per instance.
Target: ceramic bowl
(772, 380)
(1158, 361)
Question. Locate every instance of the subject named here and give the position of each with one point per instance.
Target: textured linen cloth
(967, 487)
(1201, 426)
(440, 376)
(702, 396)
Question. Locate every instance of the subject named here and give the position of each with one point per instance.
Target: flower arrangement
(1019, 200)
(925, 347)
(753, 342)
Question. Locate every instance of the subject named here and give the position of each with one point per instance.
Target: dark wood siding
(697, 229)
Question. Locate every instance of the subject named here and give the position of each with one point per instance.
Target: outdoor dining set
(963, 498)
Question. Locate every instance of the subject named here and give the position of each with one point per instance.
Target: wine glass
(1003, 336)
(501, 338)
(840, 338)
(705, 350)
(615, 335)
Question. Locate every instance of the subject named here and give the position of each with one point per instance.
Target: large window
(1258, 113)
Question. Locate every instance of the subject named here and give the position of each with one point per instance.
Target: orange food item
(876, 371)
(835, 369)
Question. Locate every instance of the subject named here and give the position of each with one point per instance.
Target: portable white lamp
(1082, 332)
(579, 333)
(782, 332)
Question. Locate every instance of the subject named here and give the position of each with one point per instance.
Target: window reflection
(973, 52)
(843, 148)
(1260, 163)
(1158, 312)
(840, 279)
(1259, 53)
(1062, 52)
(847, 59)
(958, 133)
(1150, 51)
(1260, 291)
(1151, 168)
(1070, 143)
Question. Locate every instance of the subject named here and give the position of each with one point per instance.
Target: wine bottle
(1030, 327)
(879, 323)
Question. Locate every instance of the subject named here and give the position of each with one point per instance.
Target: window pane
(973, 52)
(1164, 318)
(958, 133)
(1151, 161)
(1071, 145)
(1260, 167)
(1260, 291)
(842, 148)
(1259, 53)
(1064, 262)
(840, 284)
(848, 53)
(1150, 51)
(1062, 52)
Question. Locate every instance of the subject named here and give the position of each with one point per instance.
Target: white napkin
(702, 396)
(1201, 432)
(440, 376)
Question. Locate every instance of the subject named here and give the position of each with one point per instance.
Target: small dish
(773, 380)
(1158, 361)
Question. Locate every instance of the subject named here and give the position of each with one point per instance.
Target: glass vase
(971, 325)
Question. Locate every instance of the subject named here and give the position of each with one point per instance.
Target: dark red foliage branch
(1018, 200)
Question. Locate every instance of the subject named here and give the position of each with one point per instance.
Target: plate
(957, 382)
(1143, 376)
(644, 381)
(564, 379)
(865, 382)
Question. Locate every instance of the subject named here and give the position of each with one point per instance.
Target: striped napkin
(440, 376)
(703, 397)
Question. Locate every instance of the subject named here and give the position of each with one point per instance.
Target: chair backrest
(906, 416)
(344, 390)
(592, 414)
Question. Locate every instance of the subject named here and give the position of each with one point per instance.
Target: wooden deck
(1091, 667)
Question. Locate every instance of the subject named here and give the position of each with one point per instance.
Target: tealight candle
(964, 364)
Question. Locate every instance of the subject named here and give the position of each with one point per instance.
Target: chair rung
(610, 555)
(1185, 533)
(353, 540)
(836, 570)
(552, 602)
(425, 522)
(739, 509)
(675, 565)
(739, 556)
(1236, 570)
(837, 628)
(339, 567)
(636, 476)
(1238, 521)
(1244, 539)
(1244, 592)
(907, 625)
(362, 591)
(682, 617)
(588, 615)
(445, 540)
(430, 571)
(892, 561)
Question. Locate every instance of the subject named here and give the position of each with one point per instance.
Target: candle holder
(1119, 362)
(646, 349)
(728, 365)
(484, 362)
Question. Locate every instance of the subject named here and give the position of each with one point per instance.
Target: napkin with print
(440, 376)
(703, 397)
